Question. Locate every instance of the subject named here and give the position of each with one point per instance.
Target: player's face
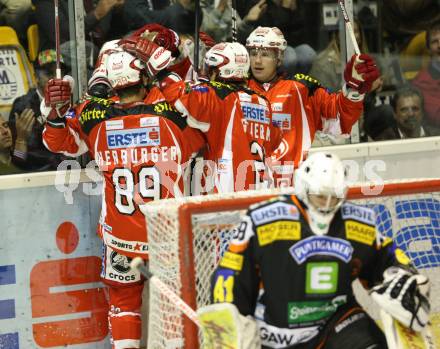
(324, 202)
(264, 63)
(434, 45)
(409, 112)
(5, 135)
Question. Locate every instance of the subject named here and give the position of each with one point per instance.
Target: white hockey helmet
(231, 60)
(124, 70)
(267, 37)
(321, 178)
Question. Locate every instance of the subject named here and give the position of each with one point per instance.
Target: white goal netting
(188, 236)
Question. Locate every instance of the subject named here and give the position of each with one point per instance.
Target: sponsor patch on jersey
(312, 311)
(255, 112)
(232, 261)
(281, 230)
(276, 337)
(282, 120)
(92, 114)
(321, 245)
(363, 233)
(358, 213)
(149, 121)
(278, 106)
(70, 114)
(244, 97)
(124, 245)
(138, 137)
(224, 165)
(117, 268)
(273, 212)
(114, 125)
(200, 88)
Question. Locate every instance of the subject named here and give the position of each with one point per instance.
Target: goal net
(188, 236)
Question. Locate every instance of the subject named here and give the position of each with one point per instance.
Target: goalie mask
(320, 183)
(229, 59)
(124, 70)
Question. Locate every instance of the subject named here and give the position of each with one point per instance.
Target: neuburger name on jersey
(275, 337)
(136, 155)
(321, 245)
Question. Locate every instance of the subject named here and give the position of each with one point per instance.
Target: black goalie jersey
(292, 280)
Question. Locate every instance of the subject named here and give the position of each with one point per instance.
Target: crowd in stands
(404, 103)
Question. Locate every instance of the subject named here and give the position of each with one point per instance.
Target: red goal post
(188, 235)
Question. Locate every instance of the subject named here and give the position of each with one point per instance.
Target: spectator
(6, 165)
(98, 21)
(327, 67)
(380, 124)
(287, 15)
(428, 81)
(407, 104)
(15, 14)
(217, 19)
(178, 16)
(27, 124)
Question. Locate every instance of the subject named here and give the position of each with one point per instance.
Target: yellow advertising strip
(232, 261)
(363, 233)
(282, 230)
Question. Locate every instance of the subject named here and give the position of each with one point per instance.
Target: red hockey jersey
(238, 127)
(300, 107)
(140, 150)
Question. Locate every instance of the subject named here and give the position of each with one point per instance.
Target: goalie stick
(349, 27)
(138, 263)
(394, 340)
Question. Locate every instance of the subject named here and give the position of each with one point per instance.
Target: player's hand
(57, 94)
(156, 57)
(360, 73)
(405, 296)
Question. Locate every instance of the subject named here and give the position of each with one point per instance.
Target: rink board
(50, 259)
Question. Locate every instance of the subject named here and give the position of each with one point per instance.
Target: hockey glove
(405, 296)
(57, 94)
(360, 73)
(154, 56)
(224, 327)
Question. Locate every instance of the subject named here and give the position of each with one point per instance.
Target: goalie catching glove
(224, 327)
(155, 57)
(405, 296)
(57, 94)
(360, 73)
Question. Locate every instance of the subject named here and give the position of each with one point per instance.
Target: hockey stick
(394, 339)
(390, 330)
(57, 40)
(349, 27)
(197, 39)
(138, 263)
(234, 20)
